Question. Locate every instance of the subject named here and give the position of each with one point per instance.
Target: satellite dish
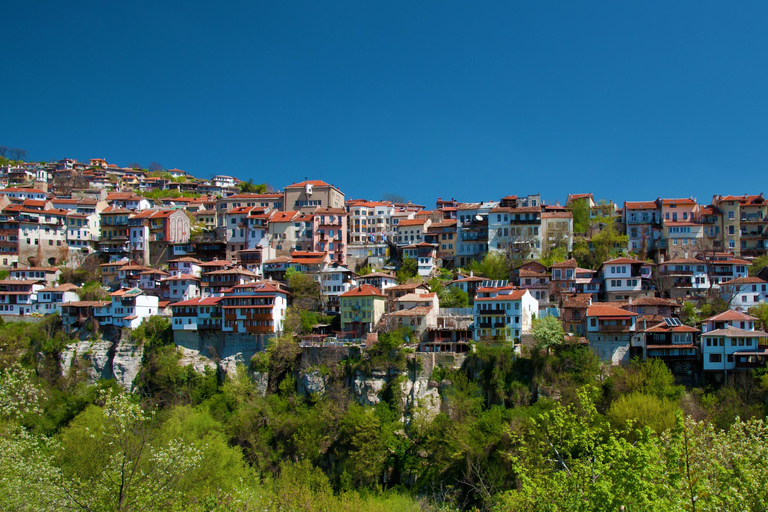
(478, 217)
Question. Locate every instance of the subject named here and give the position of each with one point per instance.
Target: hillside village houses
(213, 256)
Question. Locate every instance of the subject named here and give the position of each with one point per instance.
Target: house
(306, 196)
(443, 234)
(395, 292)
(181, 286)
(682, 277)
(473, 231)
(255, 308)
(411, 231)
(416, 311)
(215, 282)
(643, 225)
(184, 265)
(380, 280)
(556, 231)
(503, 313)
(574, 312)
(744, 224)
(334, 281)
(361, 309)
(729, 341)
(452, 332)
(425, 255)
(48, 274)
(329, 232)
(534, 276)
(609, 332)
(198, 314)
(129, 307)
(114, 239)
(743, 293)
(19, 296)
(517, 232)
(671, 342)
(469, 284)
(50, 298)
(78, 314)
(625, 278)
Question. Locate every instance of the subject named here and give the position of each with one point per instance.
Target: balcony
(614, 328)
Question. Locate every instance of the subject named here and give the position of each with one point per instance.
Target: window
(715, 358)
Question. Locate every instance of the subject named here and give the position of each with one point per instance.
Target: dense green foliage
(552, 431)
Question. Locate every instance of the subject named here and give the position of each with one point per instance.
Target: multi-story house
(743, 293)
(425, 255)
(671, 342)
(19, 296)
(473, 231)
(682, 277)
(182, 287)
(411, 231)
(329, 232)
(574, 312)
(24, 193)
(257, 309)
(609, 332)
(370, 222)
(418, 312)
(216, 282)
(380, 280)
(444, 235)
(48, 275)
(643, 225)
(42, 236)
(199, 314)
(110, 273)
(625, 278)
(244, 227)
(82, 233)
(361, 309)
(744, 223)
(114, 240)
(556, 230)
(729, 341)
(516, 232)
(50, 298)
(9, 236)
(682, 233)
(335, 280)
(184, 265)
(533, 276)
(290, 231)
(503, 313)
(129, 307)
(306, 196)
(150, 280)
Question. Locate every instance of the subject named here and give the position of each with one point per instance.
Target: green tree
(758, 264)
(409, 268)
(547, 332)
(249, 187)
(580, 210)
(92, 290)
(761, 313)
(494, 266)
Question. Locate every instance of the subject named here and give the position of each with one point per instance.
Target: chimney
(471, 273)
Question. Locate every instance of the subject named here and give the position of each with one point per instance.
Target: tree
(154, 167)
(494, 266)
(3, 151)
(249, 187)
(761, 313)
(17, 154)
(409, 268)
(547, 332)
(581, 212)
(92, 291)
(758, 264)
(305, 290)
(393, 198)
(110, 460)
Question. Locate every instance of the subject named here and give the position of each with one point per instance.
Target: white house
(729, 341)
(129, 307)
(503, 313)
(50, 299)
(743, 293)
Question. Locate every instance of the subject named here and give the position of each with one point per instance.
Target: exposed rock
(96, 354)
(194, 358)
(367, 389)
(126, 362)
(261, 379)
(312, 382)
(420, 401)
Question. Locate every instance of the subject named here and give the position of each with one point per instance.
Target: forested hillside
(553, 431)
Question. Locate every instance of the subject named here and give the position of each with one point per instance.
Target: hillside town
(669, 278)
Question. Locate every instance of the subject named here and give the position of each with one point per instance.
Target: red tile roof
(364, 290)
(606, 310)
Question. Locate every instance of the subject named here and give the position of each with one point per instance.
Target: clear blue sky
(472, 100)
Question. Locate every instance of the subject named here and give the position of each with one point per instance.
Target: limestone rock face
(126, 362)
(261, 379)
(95, 356)
(420, 400)
(312, 382)
(193, 357)
(367, 389)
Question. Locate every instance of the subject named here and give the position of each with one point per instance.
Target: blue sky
(628, 100)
